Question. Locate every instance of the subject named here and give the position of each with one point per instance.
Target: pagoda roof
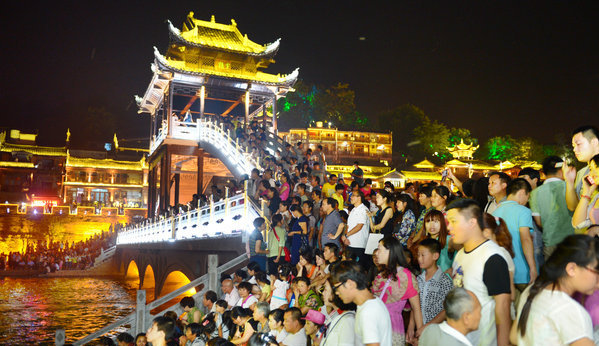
(13, 164)
(33, 149)
(209, 34)
(504, 165)
(106, 163)
(531, 164)
(265, 78)
(415, 175)
(424, 164)
(462, 146)
(456, 162)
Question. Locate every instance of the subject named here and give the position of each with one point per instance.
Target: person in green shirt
(276, 243)
(549, 207)
(306, 298)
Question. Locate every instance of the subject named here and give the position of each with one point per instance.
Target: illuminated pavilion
(209, 70)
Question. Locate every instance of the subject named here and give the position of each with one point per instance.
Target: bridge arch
(132, 271)
(148, 280)
(173, 281)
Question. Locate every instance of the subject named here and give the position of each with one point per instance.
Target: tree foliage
(401, 121)
(433, 138)
(499, 148)
(310, 103)
(458, 134)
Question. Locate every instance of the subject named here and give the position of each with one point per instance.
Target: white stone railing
(224, 218)
(212, 133)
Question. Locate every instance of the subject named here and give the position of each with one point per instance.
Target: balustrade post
(226, 201)
(246, 200)
(211, 209)
(59, 337)
(140, 312)
(262, 207)
(213, 275)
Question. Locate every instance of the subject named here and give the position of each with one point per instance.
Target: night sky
(518, 68)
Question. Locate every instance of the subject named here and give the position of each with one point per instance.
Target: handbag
(373, 242)
(285, 249)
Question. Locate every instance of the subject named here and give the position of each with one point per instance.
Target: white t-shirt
(280, 336)
(483, 271)
(356, 216)
(554, 319)
(233, 297)
(340, 330)
(297, 339)
(279, 294)
(247, 301)
(373, 323)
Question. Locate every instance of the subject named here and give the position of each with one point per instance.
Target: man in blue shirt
(519, 222)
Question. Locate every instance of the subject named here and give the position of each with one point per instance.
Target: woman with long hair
(285, 187)
(496, 230)
(298, 233)
(440, 198)
(396, 285)
(587, 210)
(406, 219)
(246, 326)
(547, 314)
(383, 219)
(424, 198)
(435, 227)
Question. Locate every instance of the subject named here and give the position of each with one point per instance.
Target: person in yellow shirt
(338, 195)
(329, 187)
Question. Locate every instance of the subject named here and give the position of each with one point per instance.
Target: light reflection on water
(31, 309)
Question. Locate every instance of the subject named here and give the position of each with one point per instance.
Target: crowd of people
(497, 260)
(50, 257)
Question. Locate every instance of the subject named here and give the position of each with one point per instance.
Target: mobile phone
(590, 180)
(444, 175)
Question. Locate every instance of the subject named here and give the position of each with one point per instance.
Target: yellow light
(78, 183)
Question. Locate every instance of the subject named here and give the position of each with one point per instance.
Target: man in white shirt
(230, 291)
(358, 228)
(373, 323)
(463, 315)
(497, 190)
(294, 326)
(480, 268)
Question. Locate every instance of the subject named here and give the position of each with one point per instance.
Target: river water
(31, 309)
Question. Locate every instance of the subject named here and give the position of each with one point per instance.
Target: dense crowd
(54, 256)
(492, 261)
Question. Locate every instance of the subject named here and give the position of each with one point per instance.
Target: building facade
(344, 147)
(34, 175)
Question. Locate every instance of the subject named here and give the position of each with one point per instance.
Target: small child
(279, 287)
(433, 284)
(264, 284)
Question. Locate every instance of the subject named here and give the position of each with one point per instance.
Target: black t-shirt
(496, 276)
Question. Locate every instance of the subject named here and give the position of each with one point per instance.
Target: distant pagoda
(462, 151)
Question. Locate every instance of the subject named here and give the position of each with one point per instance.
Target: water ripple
(32, 309)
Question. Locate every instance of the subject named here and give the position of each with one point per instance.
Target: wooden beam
(231, 108)
(217, 99)
(189, 104)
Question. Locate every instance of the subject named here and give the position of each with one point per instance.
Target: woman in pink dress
(284, 189)
(396, 285)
